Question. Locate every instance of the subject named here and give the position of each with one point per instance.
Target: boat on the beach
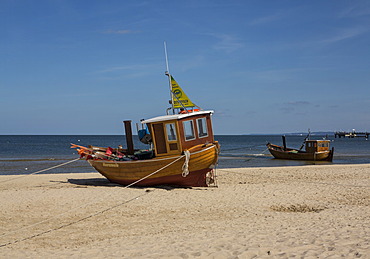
(182, 150)
(315, 150)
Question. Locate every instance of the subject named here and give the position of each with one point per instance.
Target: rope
(265, 150)
(43, 170)
(185, 166)
(91, 215)
(71, 223)
(174, 161)
(214, 172)
(254, 157)
(241, 148)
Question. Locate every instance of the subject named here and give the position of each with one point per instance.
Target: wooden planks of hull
(293, 154)
(126, 172)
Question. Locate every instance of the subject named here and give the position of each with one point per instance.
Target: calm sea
(30, 153)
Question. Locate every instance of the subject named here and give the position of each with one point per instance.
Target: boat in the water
(315, 150)
(182, 150)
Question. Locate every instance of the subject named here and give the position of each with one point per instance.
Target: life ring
(188, 111)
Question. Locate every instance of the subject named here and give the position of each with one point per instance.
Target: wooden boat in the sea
(315, 150)
(182, 150)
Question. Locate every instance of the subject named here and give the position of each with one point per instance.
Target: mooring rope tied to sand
(127, 186)
(71, 223)
(92, 215)
(241, 148)
(253, 156)
(43, 170)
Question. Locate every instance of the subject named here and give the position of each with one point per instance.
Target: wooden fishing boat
(316, 150)
(182, 150)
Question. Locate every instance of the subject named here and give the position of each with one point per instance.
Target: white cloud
(358, 9)
(226, 42)
(344, 34)
(266, 19)
(296, 106)
(119, 32)
(295, 103)
(129, 68)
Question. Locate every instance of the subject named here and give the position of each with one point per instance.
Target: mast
(169, 76)
(173, 95)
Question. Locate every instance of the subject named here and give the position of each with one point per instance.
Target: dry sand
(302, 212)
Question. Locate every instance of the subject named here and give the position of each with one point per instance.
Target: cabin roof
(176, 116)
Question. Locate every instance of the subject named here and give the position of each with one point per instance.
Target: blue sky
(82, 67)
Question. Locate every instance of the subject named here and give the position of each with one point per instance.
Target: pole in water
(284, 142)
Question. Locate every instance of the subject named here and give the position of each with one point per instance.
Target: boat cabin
(172, 134)
(317, 145)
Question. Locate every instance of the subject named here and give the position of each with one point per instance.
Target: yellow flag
(180, 96)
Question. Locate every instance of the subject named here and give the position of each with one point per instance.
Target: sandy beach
(303, 212)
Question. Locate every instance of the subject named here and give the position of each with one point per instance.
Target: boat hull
(294, 154)
(161, 171)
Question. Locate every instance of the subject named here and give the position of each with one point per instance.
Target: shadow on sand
(106, 183)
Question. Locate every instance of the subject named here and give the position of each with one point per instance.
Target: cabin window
(202, 127)
(323, 144)
(171, 132)
(311, 144)
(189, 130)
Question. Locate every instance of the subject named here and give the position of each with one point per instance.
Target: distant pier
(352, 134)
